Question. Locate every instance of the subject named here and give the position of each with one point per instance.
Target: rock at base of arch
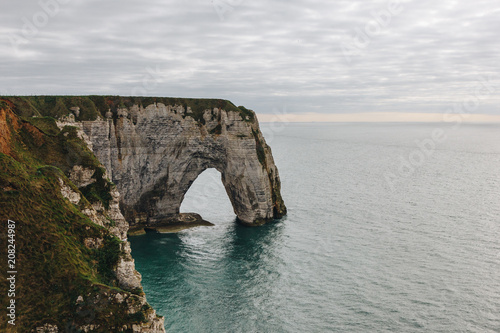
(182, 222)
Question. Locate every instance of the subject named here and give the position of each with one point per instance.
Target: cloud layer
(302, 56)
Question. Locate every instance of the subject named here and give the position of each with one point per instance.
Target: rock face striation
(153, 154)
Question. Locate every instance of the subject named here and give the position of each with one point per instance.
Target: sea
(391, 227)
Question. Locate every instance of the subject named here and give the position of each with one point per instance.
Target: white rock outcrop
(154, 154)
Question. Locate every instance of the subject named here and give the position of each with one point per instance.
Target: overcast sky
(294, 56)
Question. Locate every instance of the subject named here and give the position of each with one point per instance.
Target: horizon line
(378, 117)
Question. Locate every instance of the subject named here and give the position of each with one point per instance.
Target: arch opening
(207, 197)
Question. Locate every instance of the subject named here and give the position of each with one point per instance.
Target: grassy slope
(54, 267)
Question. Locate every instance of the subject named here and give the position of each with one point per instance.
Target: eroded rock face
(154, 154)
(128, 278)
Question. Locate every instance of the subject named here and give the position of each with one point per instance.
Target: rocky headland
(70, 166)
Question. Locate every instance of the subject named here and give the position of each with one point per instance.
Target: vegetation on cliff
(55, 264)
(93, 106)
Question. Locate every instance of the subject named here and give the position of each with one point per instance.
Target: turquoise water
(360, 251)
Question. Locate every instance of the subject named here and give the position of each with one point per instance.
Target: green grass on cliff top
(92, 106)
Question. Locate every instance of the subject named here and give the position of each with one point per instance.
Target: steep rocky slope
(75, 271)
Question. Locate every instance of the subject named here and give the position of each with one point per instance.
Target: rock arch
(156, 153)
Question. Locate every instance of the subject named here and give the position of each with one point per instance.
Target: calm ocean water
(380, 237)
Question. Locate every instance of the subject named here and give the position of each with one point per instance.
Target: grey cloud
(264, 54)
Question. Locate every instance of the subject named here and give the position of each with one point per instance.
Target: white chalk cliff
(153, 154)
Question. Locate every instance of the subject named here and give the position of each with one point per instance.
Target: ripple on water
(352, 255)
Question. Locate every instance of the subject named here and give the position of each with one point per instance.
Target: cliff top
(93, 106)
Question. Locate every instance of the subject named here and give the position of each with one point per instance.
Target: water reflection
(215, 276)
(253, 242)
(254, 263)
